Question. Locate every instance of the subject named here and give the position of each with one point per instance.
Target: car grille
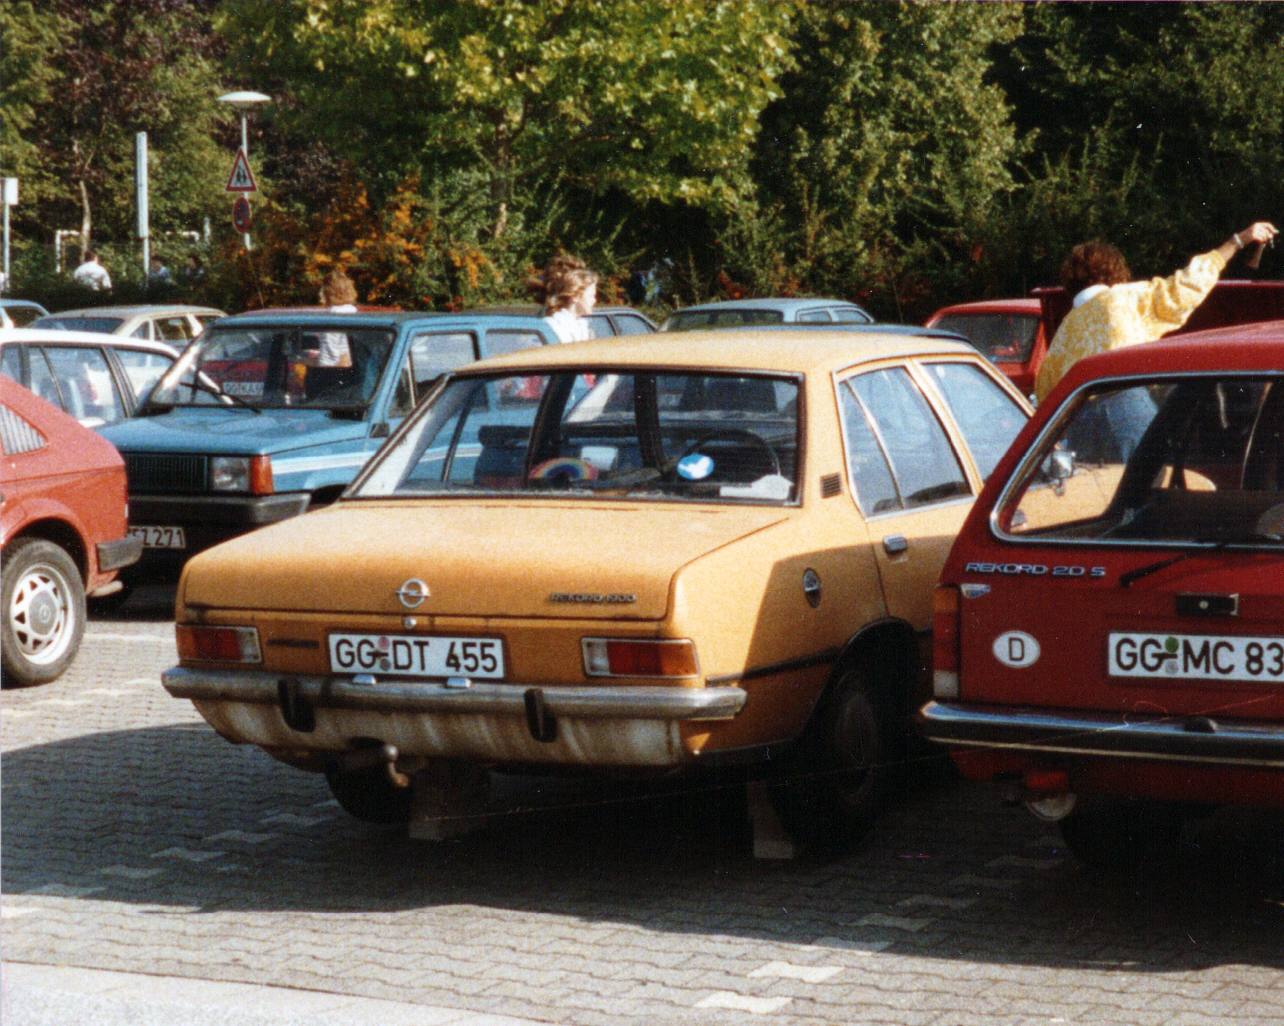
(163, 473)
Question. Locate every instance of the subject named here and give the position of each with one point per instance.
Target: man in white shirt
(92, 274)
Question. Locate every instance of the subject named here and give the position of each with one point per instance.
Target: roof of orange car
(767, 350)
(1248, 347)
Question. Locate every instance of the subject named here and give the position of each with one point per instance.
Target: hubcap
(41, 615)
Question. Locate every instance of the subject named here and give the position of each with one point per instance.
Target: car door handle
(895, 544)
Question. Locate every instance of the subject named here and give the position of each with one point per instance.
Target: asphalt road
(137, 841)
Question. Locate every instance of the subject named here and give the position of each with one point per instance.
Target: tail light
(945, 642)
(609, 657)
(217, 644)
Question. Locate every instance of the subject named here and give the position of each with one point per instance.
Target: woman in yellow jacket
(1110, 312)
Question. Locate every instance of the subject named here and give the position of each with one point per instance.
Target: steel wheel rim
(40, 614)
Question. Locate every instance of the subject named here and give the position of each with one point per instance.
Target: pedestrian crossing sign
(242, 178)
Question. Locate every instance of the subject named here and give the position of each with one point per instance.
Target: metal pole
(140, 183)
(4, 287)
(245, 148)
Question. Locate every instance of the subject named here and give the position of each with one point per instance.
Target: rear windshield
(331, 367)
(693, 319)
(1004, 338)
(101, 325)
(1197, 460)
(657, 435)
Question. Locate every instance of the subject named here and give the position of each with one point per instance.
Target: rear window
(1186, 461)
(101, 325)
(1004, 338)
(691, 320)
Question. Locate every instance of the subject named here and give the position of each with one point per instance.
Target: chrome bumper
(1203, 739)
(592, 725)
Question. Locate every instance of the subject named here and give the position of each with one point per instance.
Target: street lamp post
(245, 101)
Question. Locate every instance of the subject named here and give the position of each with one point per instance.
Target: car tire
(43, 602)
(1123, 836)
(832, 790)
(369, 795)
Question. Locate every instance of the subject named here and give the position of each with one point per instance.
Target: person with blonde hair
(338, 295)
(569, 295)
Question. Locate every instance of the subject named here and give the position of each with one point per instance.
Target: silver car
(740, 313)
(176, 324)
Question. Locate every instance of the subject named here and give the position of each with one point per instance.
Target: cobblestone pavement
(137, 840)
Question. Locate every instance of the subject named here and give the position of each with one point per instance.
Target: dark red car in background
(1109, 628)
(63, 524)
(1015, 333)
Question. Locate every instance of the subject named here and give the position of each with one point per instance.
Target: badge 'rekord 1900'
(593, 598)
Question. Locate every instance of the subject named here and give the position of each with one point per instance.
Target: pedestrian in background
(91, 274)
(338, 295)
(569, 293)
(1110, 312)
(194, 273)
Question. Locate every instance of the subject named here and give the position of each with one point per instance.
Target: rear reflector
(608, 657)
(218, 644)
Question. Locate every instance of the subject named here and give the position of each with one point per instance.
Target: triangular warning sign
(242, 178)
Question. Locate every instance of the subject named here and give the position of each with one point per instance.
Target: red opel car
(63, 527)
(1109, 626)
(1010, 332)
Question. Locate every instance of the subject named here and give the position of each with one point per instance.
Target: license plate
(414, 655)
(1196, 657)
(160, 537)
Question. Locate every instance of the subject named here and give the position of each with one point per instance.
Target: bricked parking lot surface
(136, 840)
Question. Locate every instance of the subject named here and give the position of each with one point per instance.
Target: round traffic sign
(241, 216)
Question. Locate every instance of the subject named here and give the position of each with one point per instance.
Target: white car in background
(740, 313)
(176, 324)
(18, 313)
(98, 379)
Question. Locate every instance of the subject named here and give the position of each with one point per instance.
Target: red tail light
(217, 644)
(609, 657)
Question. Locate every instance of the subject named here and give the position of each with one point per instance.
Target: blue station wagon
(268, 414)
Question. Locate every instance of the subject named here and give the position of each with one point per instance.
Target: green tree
(888, 151)
(658, 99)
(114, 69)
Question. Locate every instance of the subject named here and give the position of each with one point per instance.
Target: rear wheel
(43, 599)
(1123, 836)
(832, 790)
(369, 794)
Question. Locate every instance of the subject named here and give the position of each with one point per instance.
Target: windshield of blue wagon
(330, 368)
(662, 435)
(1197, 460)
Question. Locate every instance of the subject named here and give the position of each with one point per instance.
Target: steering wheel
(732, 435)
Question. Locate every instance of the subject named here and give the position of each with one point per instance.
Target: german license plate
(1196, 657)
(160, 537)
(415, 655)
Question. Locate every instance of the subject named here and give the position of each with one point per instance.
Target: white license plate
(160, 537)
(415, 655)
(1196, 657)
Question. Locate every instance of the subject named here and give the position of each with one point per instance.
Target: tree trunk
(86, 220)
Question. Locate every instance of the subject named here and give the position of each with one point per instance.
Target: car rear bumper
(508, 723)
(1200, 739)
(112, 555)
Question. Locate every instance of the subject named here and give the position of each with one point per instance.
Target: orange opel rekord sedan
(620, 554)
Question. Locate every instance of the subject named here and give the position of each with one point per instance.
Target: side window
(143, 369)
(850, 315)
(509, 341)
(628, 324)
(923, 462)
(11, 363)
(174, 330)
(144, 330)
(431, 355)
(88, 388)
(871, 476)
(43, 382)
(986, 414)
(600, 326)
(813, 317)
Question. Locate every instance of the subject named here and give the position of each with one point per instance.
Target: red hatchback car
(63, 523)
(1010, 332)
(1109, 627)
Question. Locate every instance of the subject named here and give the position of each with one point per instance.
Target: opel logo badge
(413, 593)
